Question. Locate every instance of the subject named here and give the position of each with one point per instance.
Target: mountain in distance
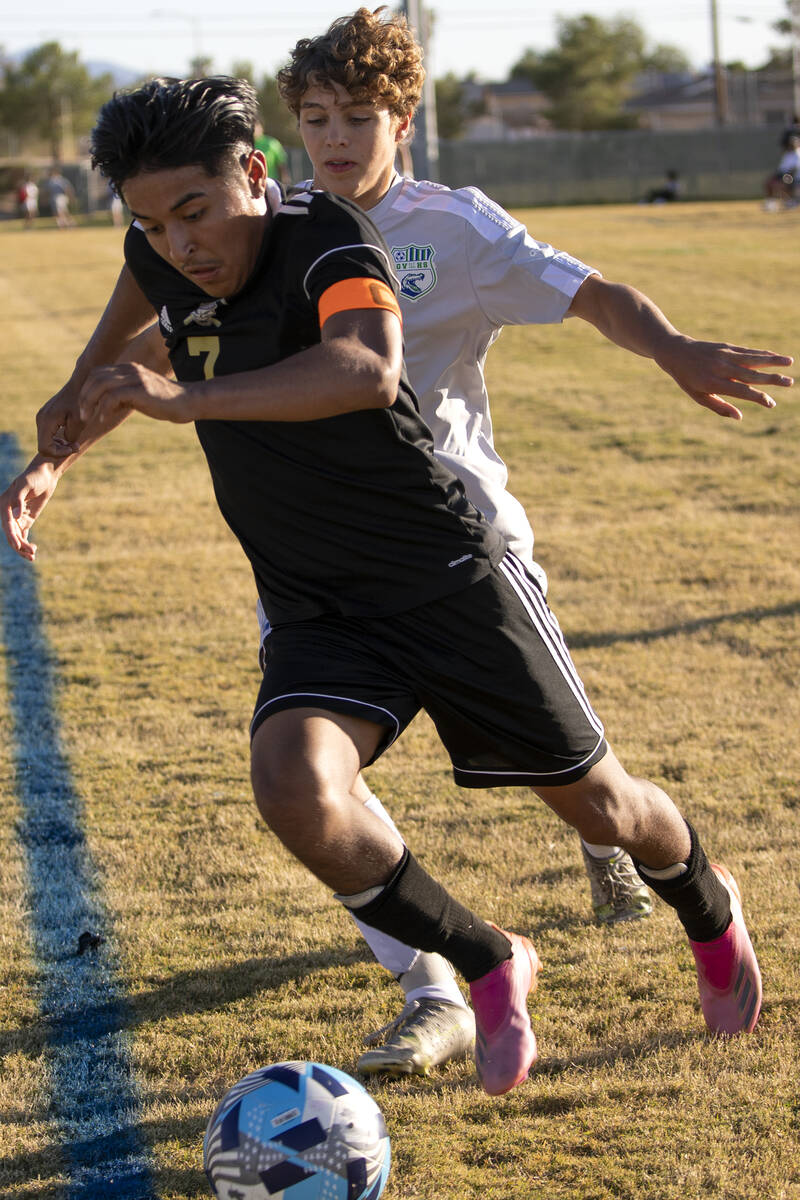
(122, 76)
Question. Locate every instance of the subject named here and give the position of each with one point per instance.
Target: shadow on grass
(542, 1103)
(593, 641)
(189, 1182)
(184, 993)
(609, 1053)
(90, 1084)
(46, 1163)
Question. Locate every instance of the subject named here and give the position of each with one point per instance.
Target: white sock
(395, 956)
(598, 851)
(374, 805)
(431, 978)
(359, 899)
(419, 974)
(671, 872)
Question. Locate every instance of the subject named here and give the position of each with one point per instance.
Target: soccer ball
(297, 1131)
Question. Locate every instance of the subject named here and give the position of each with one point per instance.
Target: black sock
(417, 910)
(698, 896)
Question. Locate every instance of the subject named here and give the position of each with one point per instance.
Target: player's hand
(110, 393)
(58, 424)
(709, 371)
(22, 502)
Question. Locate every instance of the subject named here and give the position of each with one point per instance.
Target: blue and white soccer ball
(297, 1131)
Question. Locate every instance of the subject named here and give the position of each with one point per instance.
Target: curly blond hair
(376, 58)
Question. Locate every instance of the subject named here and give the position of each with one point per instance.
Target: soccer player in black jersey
(386, 589)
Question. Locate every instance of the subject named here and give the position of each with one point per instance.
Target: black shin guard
(699, 898)
(417, 910)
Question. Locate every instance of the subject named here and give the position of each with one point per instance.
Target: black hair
(170, 123)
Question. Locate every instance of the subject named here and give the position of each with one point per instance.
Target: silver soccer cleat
(426, 1034)
(618, 893)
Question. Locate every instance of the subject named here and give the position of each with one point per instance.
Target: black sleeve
(340, 243)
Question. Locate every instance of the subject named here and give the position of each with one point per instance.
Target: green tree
(589, 74)
(670, 60)
(278, 122)
(242, 68)
(780, 57)
(786, 25)
(453, 108)
(51, 95)
(200, 66)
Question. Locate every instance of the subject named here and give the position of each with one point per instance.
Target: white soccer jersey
(466, 268)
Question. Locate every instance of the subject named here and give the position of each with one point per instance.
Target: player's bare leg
(435, 1024)
(304, 768)
(608, 805)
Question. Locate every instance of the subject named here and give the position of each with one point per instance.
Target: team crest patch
(415, 270)
(204, 314)
(164, 320)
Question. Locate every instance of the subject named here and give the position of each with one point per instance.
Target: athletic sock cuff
(698, 896)
(414, 908)
(365, 911)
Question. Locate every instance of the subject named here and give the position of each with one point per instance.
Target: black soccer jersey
(349, 514)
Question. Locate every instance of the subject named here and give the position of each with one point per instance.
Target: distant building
(763, 97)
(680, 102)
(513, 109)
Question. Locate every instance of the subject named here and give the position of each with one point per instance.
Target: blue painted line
(93, 1093)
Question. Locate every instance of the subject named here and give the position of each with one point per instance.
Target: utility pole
(199, 64)
(426, 140)
(794, 14)
(720, 80)
(66, 135)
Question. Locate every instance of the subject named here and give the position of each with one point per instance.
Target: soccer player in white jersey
(465, 269)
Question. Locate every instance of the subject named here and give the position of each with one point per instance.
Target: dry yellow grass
(670, 538)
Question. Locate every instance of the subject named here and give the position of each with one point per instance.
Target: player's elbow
(379, 382)
(387, 383)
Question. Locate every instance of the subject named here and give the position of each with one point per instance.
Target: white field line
(93, 1092)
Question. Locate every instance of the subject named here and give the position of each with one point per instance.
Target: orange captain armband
(357, 293)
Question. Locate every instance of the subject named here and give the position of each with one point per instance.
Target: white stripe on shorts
(517, 773)
(549, 631)
(327, 696)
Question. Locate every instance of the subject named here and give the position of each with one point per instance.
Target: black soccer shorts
(488, 664)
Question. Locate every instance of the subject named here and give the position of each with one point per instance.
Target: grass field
(671, 541)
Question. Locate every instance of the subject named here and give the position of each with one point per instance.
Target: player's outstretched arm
(26, 496)
(24, 499)
(356, 366)
(706, 371)
(127, 313)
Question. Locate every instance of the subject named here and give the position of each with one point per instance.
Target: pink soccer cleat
(728, 977)
(505, 1047)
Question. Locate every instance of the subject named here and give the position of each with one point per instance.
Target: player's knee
(615, 810)
(604, 821)
(288, 786)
